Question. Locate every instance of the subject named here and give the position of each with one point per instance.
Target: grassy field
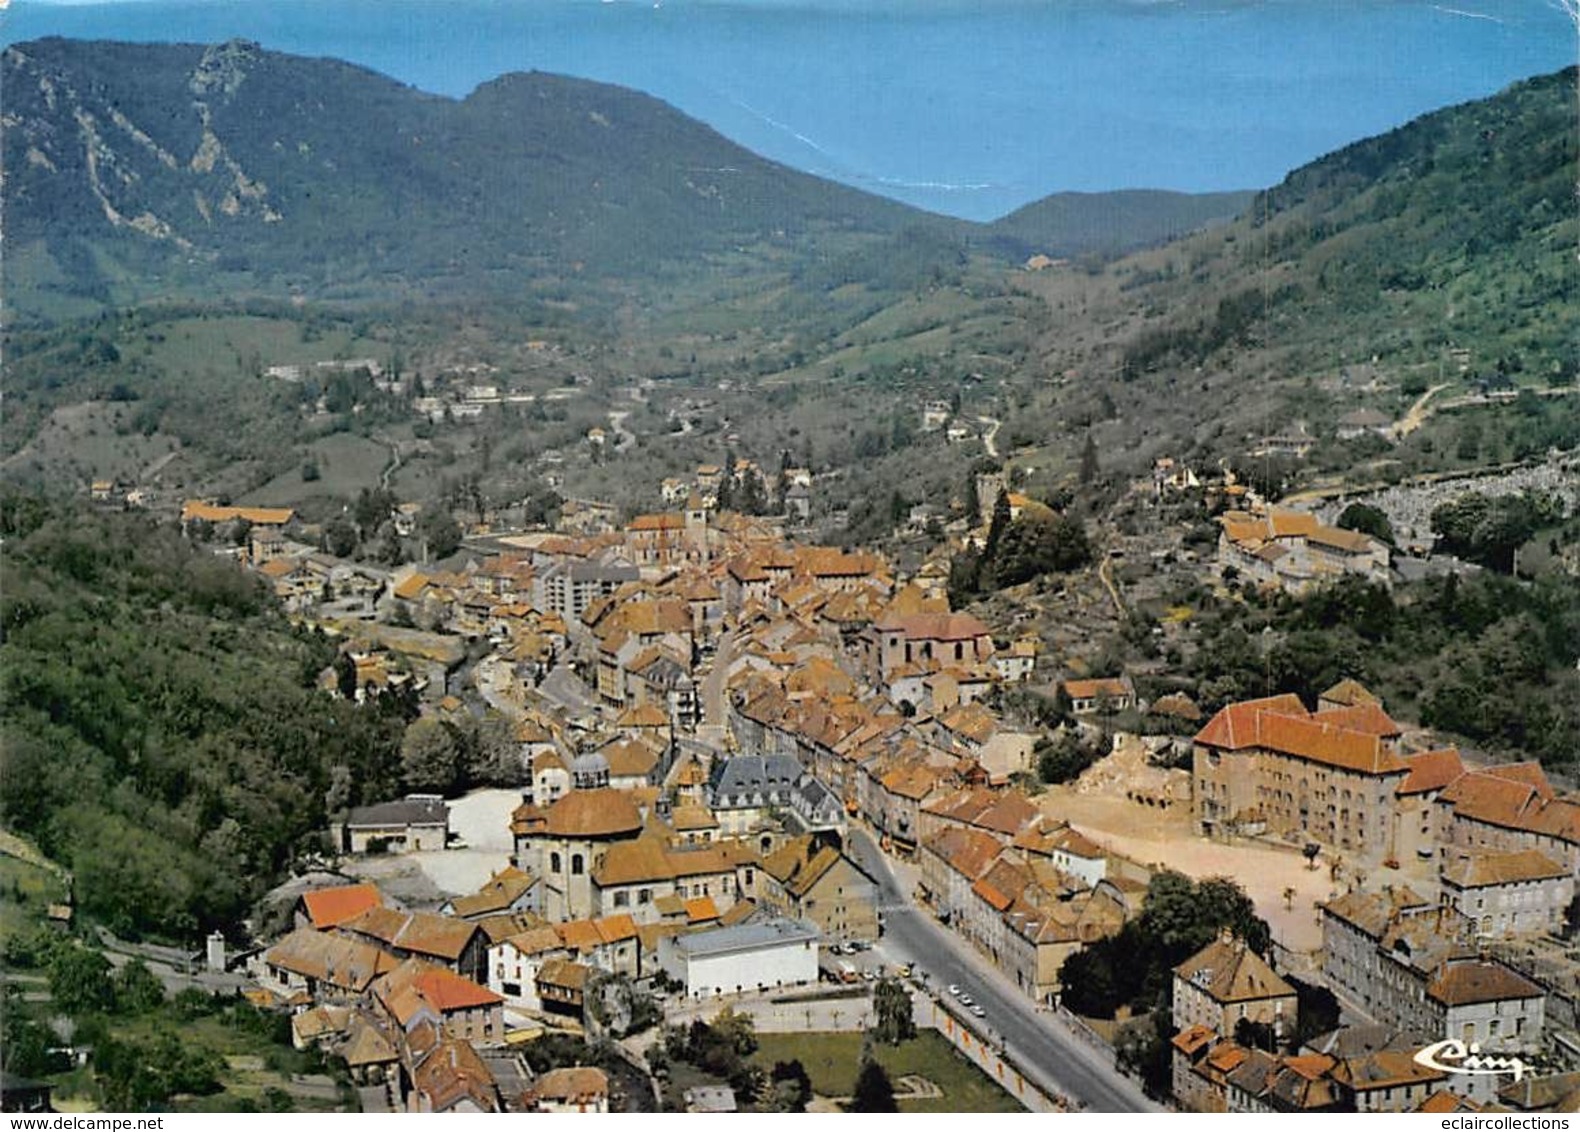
(193, 347)
(346, 464)
(833, 1060)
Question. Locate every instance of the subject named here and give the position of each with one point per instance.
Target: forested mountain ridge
(1104, 224)
(1455, 231)
(137, 165)
(158, 169)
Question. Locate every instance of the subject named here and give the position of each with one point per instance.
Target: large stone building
(1295, 552)
(562, 843)
(1509, 893)
(1331, 776)
(926, 641)
(1412, 965)
(1226, 983)
(810, 879)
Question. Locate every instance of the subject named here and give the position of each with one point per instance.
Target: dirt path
(989, 438)
(1418, 413)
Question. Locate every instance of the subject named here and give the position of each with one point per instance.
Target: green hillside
(1440, 254)
(1103, 224)
(148, 169)
(163, 737)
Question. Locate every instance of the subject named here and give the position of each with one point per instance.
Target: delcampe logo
(1453, 1056)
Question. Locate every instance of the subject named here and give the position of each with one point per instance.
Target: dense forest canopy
(164, 737)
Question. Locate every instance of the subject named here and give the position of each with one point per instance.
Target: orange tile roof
(934, 626)
(668, 521)
(1483, 870)
(1193, 1038)
(613, 929)
(592, 814)
(1303, 736)
(420, 932)
(632, 862)
(1443, 1102)
(1091, 689)
(1351, 542)
(579, 1084)
(330, 907)
(1227, 1057)
(701, 909)
(998, 900)
(259, 516)
(537, 940)
(968, 852)
(1229, 971)
(1235, 726)
(579, 935)
(1292, 524)
(1431, 770)
(1530, 773)
(447, 991)
(1349, 692)
(1369, 718)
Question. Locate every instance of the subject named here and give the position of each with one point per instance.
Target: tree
(431, 755)
(892, 1006)
(874, 1090)
(965, 578)
(1089, 459)
(373, 506)
(1368, 520)
(440, 532)
(1063, 759)
(340, 537)
(346, 675)
(792, 1086)
(79, 980)
(137, 989)
(1091, 985)
(493, 757)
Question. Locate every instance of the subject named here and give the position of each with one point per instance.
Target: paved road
(1048, 1053)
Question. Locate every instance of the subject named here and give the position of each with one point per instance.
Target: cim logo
(1453, 1056)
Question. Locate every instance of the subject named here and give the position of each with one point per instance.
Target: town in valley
(878, 672)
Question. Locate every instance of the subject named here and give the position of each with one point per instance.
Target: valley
(378, 464)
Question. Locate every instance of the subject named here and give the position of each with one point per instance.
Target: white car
(967, 1000)
(954, 990)
(977, 1011)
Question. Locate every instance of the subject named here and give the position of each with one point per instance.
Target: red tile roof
(330, 907)
(1431, 770)
(1278, 726)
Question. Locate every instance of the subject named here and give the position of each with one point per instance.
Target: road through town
(1049, 1055)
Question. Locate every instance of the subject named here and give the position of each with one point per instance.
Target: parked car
(954, 991)
(977, 1011)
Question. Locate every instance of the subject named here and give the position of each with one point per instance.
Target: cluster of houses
(1238, 1047)
(1504, 845)
(682, 826)
(1293, 551)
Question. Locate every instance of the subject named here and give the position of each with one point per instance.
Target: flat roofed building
(754, 956)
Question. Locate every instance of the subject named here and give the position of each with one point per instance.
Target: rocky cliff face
(130, 161)
(74, 153)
